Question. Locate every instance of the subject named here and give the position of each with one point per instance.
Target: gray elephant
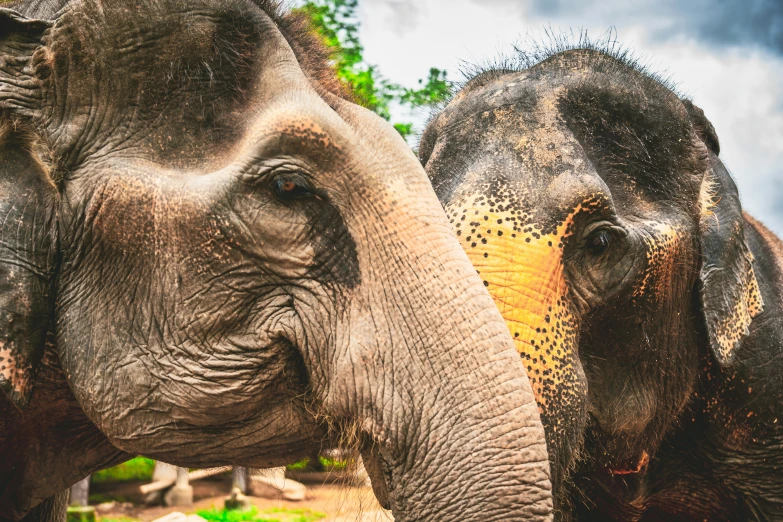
(209, 256)
(646, 305)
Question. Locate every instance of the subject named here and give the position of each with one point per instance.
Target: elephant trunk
(450, 426)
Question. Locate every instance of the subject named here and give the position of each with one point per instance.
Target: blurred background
(727, 55)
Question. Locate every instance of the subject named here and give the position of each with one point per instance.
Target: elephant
(210, 256)
(645, 304)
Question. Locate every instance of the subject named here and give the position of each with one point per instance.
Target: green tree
(436, 89)
(337, 25)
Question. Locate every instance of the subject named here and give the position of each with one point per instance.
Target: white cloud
(739, 88)
(401, 16)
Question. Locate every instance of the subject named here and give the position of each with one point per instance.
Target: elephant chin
(380, 486)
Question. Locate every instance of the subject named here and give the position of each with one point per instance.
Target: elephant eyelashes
(292, 187)
(599, 241)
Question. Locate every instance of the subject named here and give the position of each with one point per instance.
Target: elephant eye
(290, 187)
(599, 241)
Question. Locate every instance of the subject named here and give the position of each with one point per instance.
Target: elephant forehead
(571, 115)
(528, 151)
(194, 76)
(178, 35)
(13, 370)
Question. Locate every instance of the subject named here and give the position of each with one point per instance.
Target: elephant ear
(27, 196)
(20, 38)
(729, 291)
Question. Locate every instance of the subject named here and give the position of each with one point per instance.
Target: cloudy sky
(725, 54)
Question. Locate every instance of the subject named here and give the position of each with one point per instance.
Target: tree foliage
(336, 23)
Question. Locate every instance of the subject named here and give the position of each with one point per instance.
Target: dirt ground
(341, 503)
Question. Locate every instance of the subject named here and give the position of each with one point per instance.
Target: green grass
(267, 515)
(118, 519)
(327, 463)
(223, 515)
(299, 465)
(292, 515)
(140, 468)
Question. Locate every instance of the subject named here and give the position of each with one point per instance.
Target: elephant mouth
(636, 467)
(622, 481)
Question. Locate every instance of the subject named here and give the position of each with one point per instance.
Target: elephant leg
(53, 509)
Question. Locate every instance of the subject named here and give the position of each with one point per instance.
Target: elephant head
(230, 262)
(592, 202)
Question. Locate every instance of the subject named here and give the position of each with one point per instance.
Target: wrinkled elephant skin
(212, 257)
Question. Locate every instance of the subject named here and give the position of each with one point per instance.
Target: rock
(272, 484)
(179, 496)
(295, 491)
(174, 516)
(154, 498)
(196, 518)
(106, 506)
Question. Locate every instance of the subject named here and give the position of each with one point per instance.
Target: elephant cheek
(523, 270)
